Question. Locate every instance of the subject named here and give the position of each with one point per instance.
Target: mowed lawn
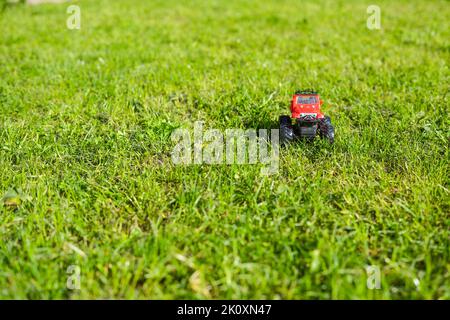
(87, 181)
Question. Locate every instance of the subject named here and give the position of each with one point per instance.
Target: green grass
(87, 178)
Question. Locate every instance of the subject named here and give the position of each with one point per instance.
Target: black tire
(326, 129)
(286, 130)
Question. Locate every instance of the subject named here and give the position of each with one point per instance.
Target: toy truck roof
(308, 91)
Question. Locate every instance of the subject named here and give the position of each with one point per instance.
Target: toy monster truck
(308, 120)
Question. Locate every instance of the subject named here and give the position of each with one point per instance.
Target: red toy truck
(306, 120)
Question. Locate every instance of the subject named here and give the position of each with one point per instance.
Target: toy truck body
(306, 120)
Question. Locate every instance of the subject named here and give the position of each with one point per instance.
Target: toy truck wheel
(286, 130)
(326, 129)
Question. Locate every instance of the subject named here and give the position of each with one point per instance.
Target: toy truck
(306, 120)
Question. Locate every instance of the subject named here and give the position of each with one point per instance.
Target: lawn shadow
(261, 123)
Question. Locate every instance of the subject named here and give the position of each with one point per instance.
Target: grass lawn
(87, 179)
